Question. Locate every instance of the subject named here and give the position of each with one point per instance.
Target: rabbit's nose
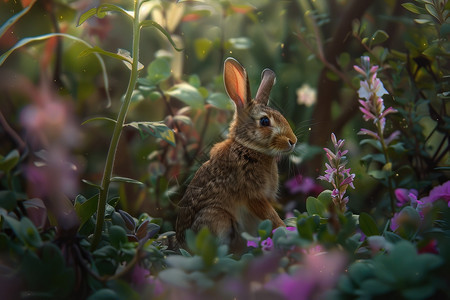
(291, 143)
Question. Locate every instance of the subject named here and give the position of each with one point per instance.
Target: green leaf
(156, 129)
(307, 226)
(419, 292)
(151, 23)
(8, 200)
(375, 287)
(432, 10)
(128, 60)
(101, 11)
(360, 271)
(158, 71)
(378, 37)
(104, 294)
(315, 207)
(186, 263)
(379, 174)
(265, 229)
(325, 198)
(374, 143)
(8, 162)
(206, 246)
(28, 40)
(15, 18)
(220, 101)
(368, 225)
(117, 236)
(29, 233)
(379, 157)
(187, 94)
(175, 277)
(202, 47)
(86, 209)
(414, 8)
(126, 180)
(92, 184)
(99, 119)
(99, 50)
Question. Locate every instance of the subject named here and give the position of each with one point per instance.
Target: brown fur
(233, 191)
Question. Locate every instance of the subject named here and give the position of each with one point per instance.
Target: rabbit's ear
(236, 82)
(268, 79)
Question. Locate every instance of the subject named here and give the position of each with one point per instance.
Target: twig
(20, 143)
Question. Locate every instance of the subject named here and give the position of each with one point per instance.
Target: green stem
(107, 173)
(388, 161)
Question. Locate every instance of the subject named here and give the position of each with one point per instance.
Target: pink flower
(318, 274)
(439, 192)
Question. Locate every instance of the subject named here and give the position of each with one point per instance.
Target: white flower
(306, 95)
(366, 90)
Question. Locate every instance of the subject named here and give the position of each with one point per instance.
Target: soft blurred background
(48, 90)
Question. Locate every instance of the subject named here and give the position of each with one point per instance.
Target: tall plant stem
(388, 161)
(107, 173)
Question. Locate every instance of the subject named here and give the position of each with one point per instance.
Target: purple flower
(267, 244)
(253, 244)
(439, 192)
(405, 196)
(337, 174)
(302, 184)
(395, 222)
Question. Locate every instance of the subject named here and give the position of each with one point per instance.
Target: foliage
(92, 137)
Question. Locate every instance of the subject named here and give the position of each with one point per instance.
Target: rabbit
(232, 192)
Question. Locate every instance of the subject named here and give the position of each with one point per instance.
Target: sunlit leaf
(126, 180)
(92, 184)
(241, 43)
(187, 94)
(220, 101)
(432, 10)
(99, 119)
(101, 12)
(202, 47)
(127, 59)
(97, 49)
(414, 8)
(15, 18)
(378, 37)
(158, 71)
(28, 40)
(156, 129)
(151, 23)
(8, 162)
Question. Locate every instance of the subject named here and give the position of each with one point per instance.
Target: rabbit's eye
(264, 121)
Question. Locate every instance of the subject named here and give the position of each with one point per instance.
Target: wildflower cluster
(370, 93)
(337, 174)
